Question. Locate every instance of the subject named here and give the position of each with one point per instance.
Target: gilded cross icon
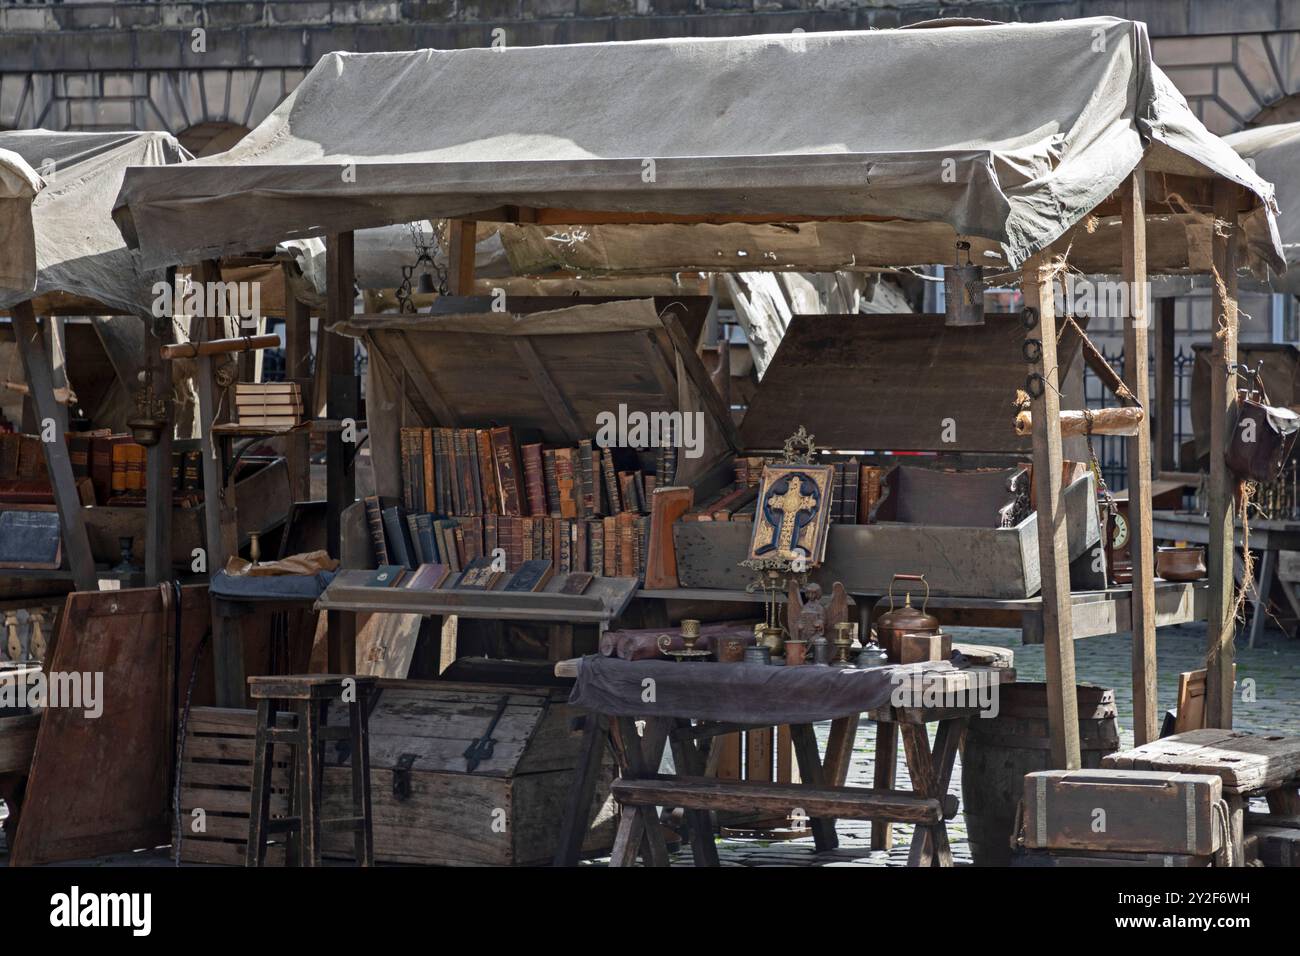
(789, 505)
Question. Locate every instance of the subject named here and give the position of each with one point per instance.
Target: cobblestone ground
(1273, 665)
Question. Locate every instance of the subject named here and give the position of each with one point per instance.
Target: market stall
(1072, 178)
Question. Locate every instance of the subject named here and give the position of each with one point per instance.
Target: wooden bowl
(1185, 563)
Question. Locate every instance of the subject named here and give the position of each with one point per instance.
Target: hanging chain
(424, 255)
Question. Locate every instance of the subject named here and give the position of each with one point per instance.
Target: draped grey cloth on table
(737, 693)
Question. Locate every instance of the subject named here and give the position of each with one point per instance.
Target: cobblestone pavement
(1273, 666)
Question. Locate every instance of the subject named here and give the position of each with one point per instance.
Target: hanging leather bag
(1263, 436)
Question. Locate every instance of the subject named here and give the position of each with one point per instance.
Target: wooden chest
(1131, 811)
(1277, 838)
(427, 807)
(430, 808)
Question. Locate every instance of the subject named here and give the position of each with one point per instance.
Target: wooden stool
(308, 697)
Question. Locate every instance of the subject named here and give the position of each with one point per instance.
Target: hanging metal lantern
(964, 291)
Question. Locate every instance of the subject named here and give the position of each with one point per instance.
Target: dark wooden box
(506, 812)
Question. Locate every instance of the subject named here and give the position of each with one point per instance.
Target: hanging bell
(425, 284)
(963, 287)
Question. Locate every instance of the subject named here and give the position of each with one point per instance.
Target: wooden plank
(850, 803)
(220, 521)
(342, 402)
(560, 408)
(882, 778)
(297, 368)
(18, 742)
(100, 782)
(1221, 625)
(386, 644)
(1247, 763)
(1146, 722)
(698, 374)
(461, 240)
(1053, 546)
(36, 368)
(1162, 438)
(158, 461)
(913, 382)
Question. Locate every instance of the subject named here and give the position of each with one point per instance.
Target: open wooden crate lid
(548, 367)
(893, 382)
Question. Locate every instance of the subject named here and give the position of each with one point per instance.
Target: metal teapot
(872, 655)
(895, 623)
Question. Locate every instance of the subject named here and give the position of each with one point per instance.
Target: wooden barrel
(1000, 750)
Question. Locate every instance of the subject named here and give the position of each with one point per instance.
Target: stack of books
(268, 403)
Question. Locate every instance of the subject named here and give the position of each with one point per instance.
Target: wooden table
(1267, 535)
(821, 794)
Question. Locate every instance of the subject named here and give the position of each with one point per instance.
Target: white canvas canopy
(1011, 134)
(75, 246)
(19, 185)
(1274, 153)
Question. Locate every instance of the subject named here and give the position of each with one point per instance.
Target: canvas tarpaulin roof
(19, 185)
(78, 248)
(1011, 132)
(1274, 153)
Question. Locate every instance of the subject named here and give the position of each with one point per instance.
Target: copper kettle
(895, 623)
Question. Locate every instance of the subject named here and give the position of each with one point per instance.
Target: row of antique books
(485, 471)
(613, 546)
(268, 403)
(480, 575)
(855, 489)
(108, 469)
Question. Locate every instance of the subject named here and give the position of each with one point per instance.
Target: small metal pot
(772, 636)
(1181, 564)
(796, 652)
(758, 654)
(895, 623)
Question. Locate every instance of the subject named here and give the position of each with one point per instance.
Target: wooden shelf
(240, 430)
(603, 601)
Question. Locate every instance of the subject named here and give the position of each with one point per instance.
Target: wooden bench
(846, 803)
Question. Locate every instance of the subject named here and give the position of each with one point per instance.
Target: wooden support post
(158, 461)
(40, 387)
(461, 237)
(1146, 724)
(221, 531)
(1220, 625)
(55, 342)
(297, 368)
(1053, 557)
(342, 402)
(1163, 422)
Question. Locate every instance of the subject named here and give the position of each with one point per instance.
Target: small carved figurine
(811, 623)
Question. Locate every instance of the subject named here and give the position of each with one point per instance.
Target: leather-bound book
(549, 470)
(478, 575)
(531, 576)
(596, 546)
(569, 491)
(666, 506)
(526, 539)
(533, 480)
(406, 437)
(849, 513)
(578, 544)
(587, 480)
(491, 534)
(458, 534)
(564, 544)
(385, 576)
(474, 481)
(427, 577)
(442, 488)
(487, 473)
(627, 545)
(428, 477)
(610, 535)
(546, 535)
(445, 531)
(417, 546)
(375, 521)
(577, 582)
(611, 481)
(398, 536)
(507, 470)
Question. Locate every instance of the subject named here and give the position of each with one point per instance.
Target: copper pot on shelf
(1186, 563)
(796, 652)
(895, 623)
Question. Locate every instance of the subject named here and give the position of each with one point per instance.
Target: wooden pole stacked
(342, 402)
(1221, 627)
(40, 383)
(1145, 723)
(158, 459)
(220, 520)
(1165, 357)
(1058, 628)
